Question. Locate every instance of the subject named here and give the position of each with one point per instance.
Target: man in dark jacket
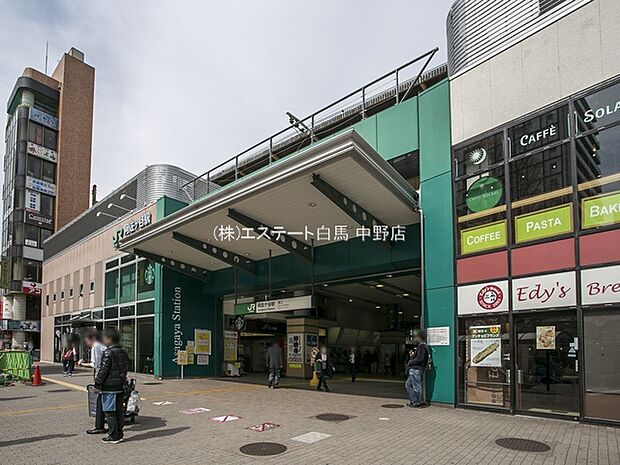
(275, 361)
(416, 365)
(324, 368)
(110, 380)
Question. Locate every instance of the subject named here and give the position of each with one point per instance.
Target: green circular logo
(484, 193)
(149, 274)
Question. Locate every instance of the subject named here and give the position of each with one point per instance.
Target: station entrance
(365, 323)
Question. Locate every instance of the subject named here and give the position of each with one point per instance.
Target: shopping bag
(134, 403)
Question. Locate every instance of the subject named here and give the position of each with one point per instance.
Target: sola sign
(489, 297)
(600, 285)
(547, 291)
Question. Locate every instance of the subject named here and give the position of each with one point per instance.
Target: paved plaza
(46, 425)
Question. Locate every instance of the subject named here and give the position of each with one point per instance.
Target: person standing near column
(324, 368)
(110, 380)
(416, 365)
(91, 339)
(274, 364)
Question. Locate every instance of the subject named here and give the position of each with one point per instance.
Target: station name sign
(132, 227)
(277, 305)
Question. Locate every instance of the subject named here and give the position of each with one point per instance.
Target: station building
(477, 199)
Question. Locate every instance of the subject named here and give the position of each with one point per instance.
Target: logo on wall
(484, 193)
(239, 323)
(490, 297)
(477, 156)
(131, 227)
(149, 274)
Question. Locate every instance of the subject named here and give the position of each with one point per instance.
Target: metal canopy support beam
(354, 210)
(171, 263)
(231, 258)
(279, 238)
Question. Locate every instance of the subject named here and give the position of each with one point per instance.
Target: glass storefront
(130, 307)
(538, 340)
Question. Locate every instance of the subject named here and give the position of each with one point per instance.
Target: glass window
(602, 355)
(35, 133)
(34, 166)
(480, 155)
(128, 283)
(146, 279)
(127, 329)
(127, 258)
(541, 180)
(31, 235)
(81, 289)
(539, 132)
(71, 293)
(111, 287)
(97, 314)
(49, 172)
(32, 271)
(146, 308)
(128, 310)
(144, 346)
(62, 295)
(484, 361)
(47, 205)
(49, 138)
(599, 109)
(408, 166)
(45, 234)
(92, 286)
(110, 313)
(111, 264)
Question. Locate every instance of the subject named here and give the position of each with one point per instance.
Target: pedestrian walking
(416, 365)
(110, 381)
(97, 349)
(275, 362)
(68, 360)
(324, 368)
(353, 362)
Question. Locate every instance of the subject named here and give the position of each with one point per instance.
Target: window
(128, 283)
(49, 172)
(92, 286)
(146, 279)
(45, 234)
(41, 169)
(41, 135)
(34, 166)
(62, 295)
(127, 310)
(146, 308)
(598, 162)
(54, 299)
(480, 155)
(31, 235)
(32, 271)
(49, 138)
(127, 258)
(81, 289)
(539, 132)
(71, 293)
(110, 313)
(47, 300)
(598, 109)
(111, 264)
(111, 287)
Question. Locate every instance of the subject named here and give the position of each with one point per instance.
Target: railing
(390, 88)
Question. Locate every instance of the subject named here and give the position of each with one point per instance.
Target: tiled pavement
(45, 425)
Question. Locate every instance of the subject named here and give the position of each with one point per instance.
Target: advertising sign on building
(545, 223)
(295, 349)
(230, 346)
(7, 310)
(33, 200)
(600, 210)
(42, 152)
(277, 305)
(39, 219)
(134, 225)
(40, 186)
(202, 339)
(31, 288)
(484, 193)
(600, 285)
(182, 357)
(485, 346)
(478, 239)
(545, 337)
(546, 291)
(490, 297)
(29, 326)
(312, 343)
(439, 336)
(43, 118)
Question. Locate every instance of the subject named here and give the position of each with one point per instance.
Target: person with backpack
(110, 381)
(68, 360)
(416, 366)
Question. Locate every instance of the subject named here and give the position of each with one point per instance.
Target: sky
(193, 83)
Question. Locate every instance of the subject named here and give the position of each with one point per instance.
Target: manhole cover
(59, 390)
(263, 448)
(151, 383)
(332, 417)
(392, 406)
(524, 445)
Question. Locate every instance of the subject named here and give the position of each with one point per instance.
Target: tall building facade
(47, 166)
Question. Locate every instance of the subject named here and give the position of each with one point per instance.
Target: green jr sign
(546, 223)
(490, 236)
(601, 210)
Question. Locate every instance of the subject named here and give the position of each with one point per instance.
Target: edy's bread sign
(547, 291)
(483, 298)
(600, 285)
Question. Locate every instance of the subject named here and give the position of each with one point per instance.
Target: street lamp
(106, 214)
(127, 196)
(112, 204)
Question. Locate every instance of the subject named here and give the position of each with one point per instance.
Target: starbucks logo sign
(149, 274)
(490, 297)
(484, 193)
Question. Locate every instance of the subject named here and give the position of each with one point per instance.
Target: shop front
(537, 208)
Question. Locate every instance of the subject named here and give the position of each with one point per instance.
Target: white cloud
(192, 83)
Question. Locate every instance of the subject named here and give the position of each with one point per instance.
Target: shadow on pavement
(160, 433)
(17, 398)
(18, 442)
(145, 423)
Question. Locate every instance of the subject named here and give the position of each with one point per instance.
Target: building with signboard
(536, 145)
(46, 179)
(87, 282)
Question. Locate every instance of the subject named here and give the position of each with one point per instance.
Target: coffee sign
(546, 223)
(547, 291)
(490, 236)
(489, 297)
(600, 285)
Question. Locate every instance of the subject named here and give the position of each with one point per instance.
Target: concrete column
(303, 327)
(19, 313)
